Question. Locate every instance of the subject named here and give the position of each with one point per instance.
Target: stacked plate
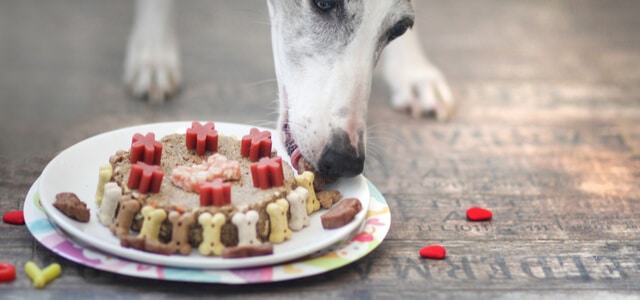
(311, 251)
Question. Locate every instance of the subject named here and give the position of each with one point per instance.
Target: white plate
(76, 170)
(341, 254)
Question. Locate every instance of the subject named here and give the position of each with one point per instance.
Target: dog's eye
(325, 5)
(400, 28)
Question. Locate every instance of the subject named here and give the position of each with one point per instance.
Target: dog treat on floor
(341, 213)
(479, 214)
(39, 277)
(433, 252)
(15, 217)
(71, 206)
(7, 272)
(248, 251)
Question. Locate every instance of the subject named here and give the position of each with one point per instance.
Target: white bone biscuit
(246, 223)
(298, 208)
(104, 175)
(112, 195)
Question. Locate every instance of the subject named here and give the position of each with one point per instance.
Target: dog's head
(325, 52)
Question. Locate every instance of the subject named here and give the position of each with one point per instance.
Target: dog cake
(206, 192)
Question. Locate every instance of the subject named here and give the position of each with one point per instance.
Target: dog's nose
(340, 159)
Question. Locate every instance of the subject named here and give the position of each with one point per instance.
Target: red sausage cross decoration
(256, 144)
(145, 148)
(267, 173)
(202, 137)
(146, 178)
(216, 193)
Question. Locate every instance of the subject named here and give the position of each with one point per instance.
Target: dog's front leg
(152, 65)
(415, 83)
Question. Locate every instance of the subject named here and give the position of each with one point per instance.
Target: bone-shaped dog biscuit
(128, 209)
(153, 218)
(104, 175)
(298, 208)
(145, 244)
(39, 277)
(112, 195)
(278, 219)
(246, 224)
(211, 229)
(305, 180)
(180, 232)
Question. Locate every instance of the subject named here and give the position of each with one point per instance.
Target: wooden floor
(546, 135)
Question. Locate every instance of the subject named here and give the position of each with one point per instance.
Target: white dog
(324, 53)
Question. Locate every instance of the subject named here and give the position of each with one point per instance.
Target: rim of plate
(96, 235)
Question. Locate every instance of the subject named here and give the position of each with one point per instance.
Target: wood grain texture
(546, 135)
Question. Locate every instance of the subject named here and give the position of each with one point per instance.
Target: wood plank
(546, 135)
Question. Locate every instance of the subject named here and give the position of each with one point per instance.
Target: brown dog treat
(132, 242)
(157, 247)
(328, 198)
(319, 180)
(341, 213)
(127, 211)
(304, 165)
(180, 231)
(71, 206)
(145, 244)
(248, 251)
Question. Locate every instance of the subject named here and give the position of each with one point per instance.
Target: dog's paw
(152, 68)
(421, 90)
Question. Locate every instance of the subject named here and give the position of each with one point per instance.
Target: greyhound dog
(324, 52)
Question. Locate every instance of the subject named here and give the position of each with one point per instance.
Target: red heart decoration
(15, 217)
(433, 252)
(7, 272)
(479, 214)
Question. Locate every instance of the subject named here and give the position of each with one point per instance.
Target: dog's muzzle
(338, 159)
